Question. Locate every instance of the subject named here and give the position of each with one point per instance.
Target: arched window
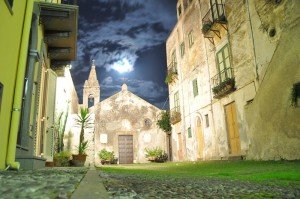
(90, 101)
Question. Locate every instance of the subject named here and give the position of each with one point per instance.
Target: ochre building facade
(233, 79)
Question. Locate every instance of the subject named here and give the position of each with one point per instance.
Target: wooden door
(200, 138)
(125, 149)
(50, 113)
(180, 147)
(232, 129)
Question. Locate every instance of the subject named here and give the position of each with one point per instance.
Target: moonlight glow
(123, 66)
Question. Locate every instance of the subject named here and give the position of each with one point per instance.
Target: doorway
(200, 138)
(232, 129)
(125, 149)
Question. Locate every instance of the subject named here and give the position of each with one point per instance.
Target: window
(189, 132)
(179, 10)
(148, 122)
(206, 120)
(195, 87)
(9, 4)
(90, 101)
(223, 61)
(174, 62)
(191, 38)
(182, 49)
(176, 102)
(1, 91)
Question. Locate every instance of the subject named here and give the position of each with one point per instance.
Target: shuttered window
(176, 102)
(189, 132)
(195, 87)
(182, 49)
(223, 59)
(191, 38)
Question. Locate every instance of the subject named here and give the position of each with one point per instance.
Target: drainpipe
(19, 84)
(253, 43)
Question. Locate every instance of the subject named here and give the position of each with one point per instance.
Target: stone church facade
(123, 123)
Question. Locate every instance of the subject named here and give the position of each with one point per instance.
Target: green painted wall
(10, 39)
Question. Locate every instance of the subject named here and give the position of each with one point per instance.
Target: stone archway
(200, 138)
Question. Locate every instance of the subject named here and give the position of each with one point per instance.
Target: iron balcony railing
(175, 115)
(222, 76)
(172, 68)
(214, 14)
(69, 2)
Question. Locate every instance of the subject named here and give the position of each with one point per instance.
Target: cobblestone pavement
(44, 183)
(136, 186)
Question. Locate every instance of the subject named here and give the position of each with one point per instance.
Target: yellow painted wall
(10, 39)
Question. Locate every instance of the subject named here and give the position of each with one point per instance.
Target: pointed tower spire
(91, 89)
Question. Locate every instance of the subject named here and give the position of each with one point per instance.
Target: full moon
(122, 66)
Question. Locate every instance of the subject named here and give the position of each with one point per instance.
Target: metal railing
(214, 14)
(69, 2)
(172, 68)
(222, 76)
(175, 115)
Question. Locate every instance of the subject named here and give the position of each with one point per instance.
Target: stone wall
(273, 124)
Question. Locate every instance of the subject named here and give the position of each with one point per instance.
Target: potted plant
(107, 157)
(84, 121)
(171, 76)
(156, 155)
(62, 159)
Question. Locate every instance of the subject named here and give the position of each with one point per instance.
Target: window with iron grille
(195, 87)
(182, 49)
(223, 62)
(176, 102)
(189, 132)
(191, 38)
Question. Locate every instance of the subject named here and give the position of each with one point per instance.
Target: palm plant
(83, 120)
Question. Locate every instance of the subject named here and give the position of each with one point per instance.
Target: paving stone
(40, 184)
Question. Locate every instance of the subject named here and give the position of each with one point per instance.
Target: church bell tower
(91, 88)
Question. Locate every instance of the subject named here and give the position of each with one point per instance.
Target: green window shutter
(223, 62)
(195, 87)
(182, 49)
(176, 102)
(189, 132)
(191, 38)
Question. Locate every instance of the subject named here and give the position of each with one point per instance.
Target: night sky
(127, 40)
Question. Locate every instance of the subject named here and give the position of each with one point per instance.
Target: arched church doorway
(200, 138)
(91, 100)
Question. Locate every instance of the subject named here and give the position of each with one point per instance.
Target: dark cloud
(125, 35)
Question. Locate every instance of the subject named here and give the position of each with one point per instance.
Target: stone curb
(90, 187)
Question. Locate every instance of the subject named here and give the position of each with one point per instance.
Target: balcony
(213, 16)
(175, 115)
(60, 26)
(172, 73)
(223, 83)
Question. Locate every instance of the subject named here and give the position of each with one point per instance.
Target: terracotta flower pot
(79, 160)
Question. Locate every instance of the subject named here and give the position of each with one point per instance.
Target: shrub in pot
(107, 157)
(62, 159)
(156, 155)
(83, 120)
